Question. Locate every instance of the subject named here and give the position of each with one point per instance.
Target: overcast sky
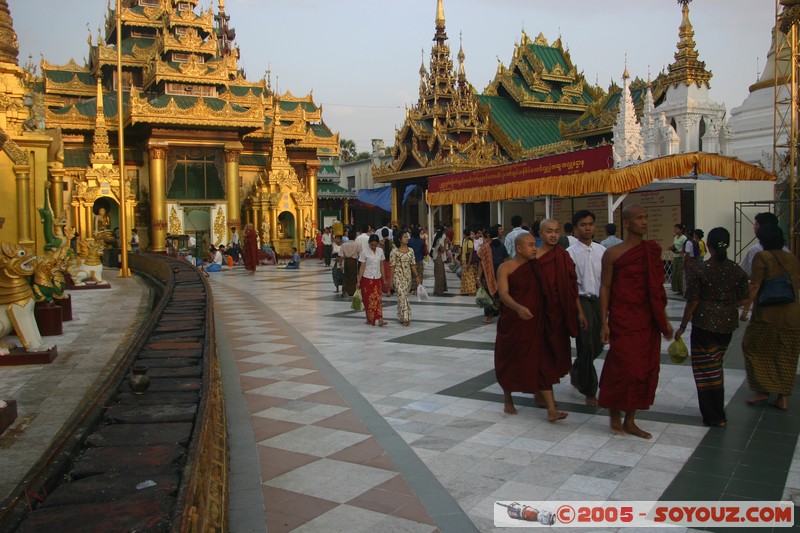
(361, 58)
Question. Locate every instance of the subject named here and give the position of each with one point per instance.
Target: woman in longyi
(370, 276)
(771, 343)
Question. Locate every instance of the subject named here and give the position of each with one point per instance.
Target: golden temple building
(25, 145)
(206, 150)
(520, 115)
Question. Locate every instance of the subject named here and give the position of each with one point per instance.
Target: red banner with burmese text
(600, 158)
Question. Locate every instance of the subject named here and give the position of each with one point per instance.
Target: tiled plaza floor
(339, 426)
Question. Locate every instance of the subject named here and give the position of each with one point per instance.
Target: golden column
(57, 189)
(395, 203)
(23, 173)
(158, 197)
(298, 229)
(346, 220)
(311, 173)
(232, 152)
(457, 222)
(273, 222)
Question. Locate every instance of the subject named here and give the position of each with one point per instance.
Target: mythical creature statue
(48, 277)
(87, 266)
(16, 298)
(53, 229)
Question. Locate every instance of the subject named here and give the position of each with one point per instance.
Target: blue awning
(382, 196)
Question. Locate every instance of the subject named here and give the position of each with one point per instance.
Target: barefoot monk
(518, 365)
(632, 311)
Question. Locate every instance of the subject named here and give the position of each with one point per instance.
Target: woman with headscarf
(715, 289)
(437, 252)
(370, 275)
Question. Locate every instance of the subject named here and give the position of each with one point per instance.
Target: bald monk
(563, 315)
(632, 311)
(517, 350)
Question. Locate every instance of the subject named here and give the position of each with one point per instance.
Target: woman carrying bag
(771, 343)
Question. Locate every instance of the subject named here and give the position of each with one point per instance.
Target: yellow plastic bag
(357, 304)
(678, 351)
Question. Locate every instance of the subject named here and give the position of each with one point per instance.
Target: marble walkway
(338, 426)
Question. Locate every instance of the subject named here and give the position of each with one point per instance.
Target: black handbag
(776, 291)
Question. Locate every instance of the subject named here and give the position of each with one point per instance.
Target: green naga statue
(53, 229)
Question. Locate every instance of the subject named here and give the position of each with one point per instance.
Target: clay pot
(139, 381)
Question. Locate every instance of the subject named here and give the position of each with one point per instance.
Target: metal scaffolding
(785, 131)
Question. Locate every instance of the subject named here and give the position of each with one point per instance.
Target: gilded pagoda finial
(101, 153)
(626, 75)
(440, 14)
(440, 36)
(462, 73)
(687, 68)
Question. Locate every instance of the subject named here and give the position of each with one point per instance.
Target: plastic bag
(357, 304)
(678, 351)
(422, 294)
(483, 298)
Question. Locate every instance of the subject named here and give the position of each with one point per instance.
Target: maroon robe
(636, 318)
(559, 282)
(250, 251)
(516, 350)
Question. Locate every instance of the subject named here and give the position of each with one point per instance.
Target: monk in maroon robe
(632, 307)
(250, 251)
(563, 312)
(518, 361)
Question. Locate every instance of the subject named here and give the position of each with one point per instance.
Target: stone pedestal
(19, 356)
(66, 308)
(48, 318)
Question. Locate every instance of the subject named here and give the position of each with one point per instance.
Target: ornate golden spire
(441, 36)
(9, 50)
(687, 69)
(101, 153)
(462, 73)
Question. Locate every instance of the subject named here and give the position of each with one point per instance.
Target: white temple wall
(714, 201)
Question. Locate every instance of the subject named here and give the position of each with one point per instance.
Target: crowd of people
(547, 283)
(613, 293)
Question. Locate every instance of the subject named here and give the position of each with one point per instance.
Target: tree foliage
(348, 150)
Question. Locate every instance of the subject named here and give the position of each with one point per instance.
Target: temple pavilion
(206, 150)
(541, 141)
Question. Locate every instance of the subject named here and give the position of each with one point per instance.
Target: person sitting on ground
(294, 263)
(216, 262)
(267, 255)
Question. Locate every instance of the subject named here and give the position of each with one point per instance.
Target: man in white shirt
(516, 223)
(588, 258)
(327, 247)
(379, 231)
(363, 237)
